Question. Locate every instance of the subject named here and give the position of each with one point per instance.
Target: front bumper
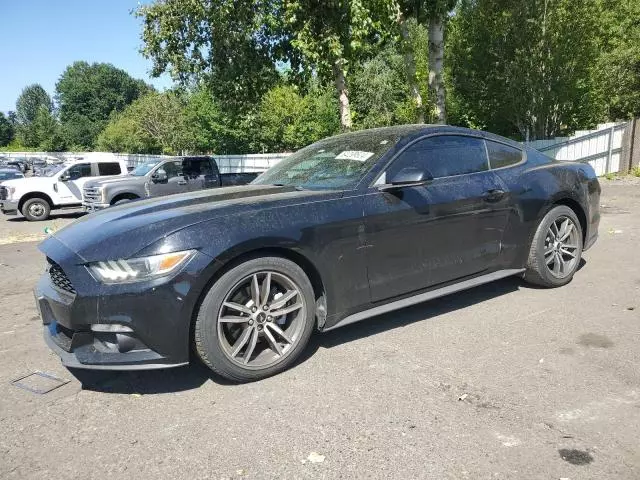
(94, 207)
(158, 314)
(9, 207)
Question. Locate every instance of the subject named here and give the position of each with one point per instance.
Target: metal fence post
(610, 150)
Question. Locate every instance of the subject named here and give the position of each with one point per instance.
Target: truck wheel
(556, 249)
(256, 319)
(36, 209)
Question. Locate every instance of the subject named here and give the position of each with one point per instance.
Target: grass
(635, 171)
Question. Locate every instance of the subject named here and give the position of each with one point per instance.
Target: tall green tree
(6, 130)
(525, 68)
(433, 14)
(380, 92)
(88, 94)
(229, 45)
(153, 123)
(619, 63)
(31, 101)
(331, 36)
(288, 119)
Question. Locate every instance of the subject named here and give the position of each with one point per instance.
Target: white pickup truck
(58, 187)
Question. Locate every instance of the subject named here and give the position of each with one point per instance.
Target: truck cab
(158, 178)
(59, 186)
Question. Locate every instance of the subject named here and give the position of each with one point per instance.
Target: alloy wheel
(561, 247)
(261, 319)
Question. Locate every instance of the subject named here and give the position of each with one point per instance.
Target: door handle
(494, 195)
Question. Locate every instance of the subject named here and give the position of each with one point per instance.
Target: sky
(40, 38)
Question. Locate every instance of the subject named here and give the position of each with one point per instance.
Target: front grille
(91, 195)
(59, 278)
(4, 194)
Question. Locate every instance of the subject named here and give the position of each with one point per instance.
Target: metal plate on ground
(39, 382)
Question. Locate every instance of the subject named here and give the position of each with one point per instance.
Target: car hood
(116, 179)
(122, 231)
(28, 182)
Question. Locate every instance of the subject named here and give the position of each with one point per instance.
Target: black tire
(36, 209)
(122, 201)
(208, 343)
(537, 272)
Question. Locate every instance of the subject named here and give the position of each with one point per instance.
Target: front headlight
(139, 269)
(10, 191)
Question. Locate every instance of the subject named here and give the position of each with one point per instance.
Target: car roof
(412, 131)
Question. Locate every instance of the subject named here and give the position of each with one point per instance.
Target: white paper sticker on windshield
(354, 155)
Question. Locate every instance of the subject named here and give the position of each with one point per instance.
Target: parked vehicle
(352, 226)
(158, 178)
(58, 187)
(9, 174)
(15, 164)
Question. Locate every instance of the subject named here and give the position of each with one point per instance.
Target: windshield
(51, 171)
(9, 175)
(144, 168)
(336, 162)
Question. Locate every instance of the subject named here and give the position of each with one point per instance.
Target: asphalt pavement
(504, 381)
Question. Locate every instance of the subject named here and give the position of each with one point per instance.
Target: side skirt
(423, 297)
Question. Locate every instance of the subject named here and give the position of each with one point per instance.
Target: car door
(446, 229)
(199, 173)
(173, 183)
(70, 190)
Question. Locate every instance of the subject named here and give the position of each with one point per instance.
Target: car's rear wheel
(256, 319)
(36, 209)
(556, 249)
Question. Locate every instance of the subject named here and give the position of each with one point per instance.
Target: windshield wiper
(297, 187)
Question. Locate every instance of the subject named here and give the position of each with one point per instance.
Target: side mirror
(160, 176)
(65, 177)
(407, 177)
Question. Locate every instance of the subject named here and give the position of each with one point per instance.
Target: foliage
(379, 91)
(154, 122)
(525, 67)
(231, 45)
(87, 95)
(288, 120)
(619, 65)
(28, 106)
(7, 130)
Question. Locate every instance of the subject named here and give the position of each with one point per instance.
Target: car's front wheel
(256, 319)
(556, 249)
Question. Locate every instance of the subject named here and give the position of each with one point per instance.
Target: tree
(619, 63)
(87, 95)
(47, 132)
(31, 101)
(230, 46)
(6, 130)
(154, 123)
(330, 36)
(433, 14)
(525, 67)
(288, 120)
(380, 93)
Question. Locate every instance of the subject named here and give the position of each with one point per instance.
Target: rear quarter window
(501, 155)
(109, 168)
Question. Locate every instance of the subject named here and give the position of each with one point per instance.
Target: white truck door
(69, 183)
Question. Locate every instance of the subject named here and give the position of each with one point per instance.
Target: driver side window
(443, 156)
(79, 170)
(173, 169)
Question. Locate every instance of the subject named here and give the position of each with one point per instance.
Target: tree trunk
(436, 59)
(410, 67)
(343, 96)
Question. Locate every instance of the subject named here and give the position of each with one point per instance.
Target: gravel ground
(502, 381)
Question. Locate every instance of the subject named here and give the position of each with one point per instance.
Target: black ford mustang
(347, 228)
